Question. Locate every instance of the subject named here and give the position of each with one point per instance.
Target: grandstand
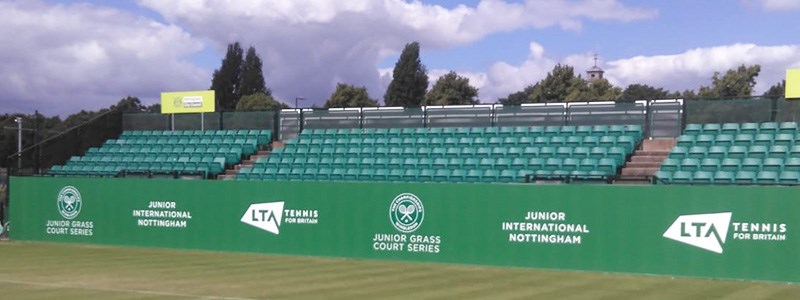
(733, 153)
(283, 173)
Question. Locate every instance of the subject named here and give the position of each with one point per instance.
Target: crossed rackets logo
(406, 212)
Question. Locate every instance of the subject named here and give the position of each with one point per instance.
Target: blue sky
(68, 55)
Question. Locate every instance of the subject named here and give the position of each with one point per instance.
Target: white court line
(143, 292)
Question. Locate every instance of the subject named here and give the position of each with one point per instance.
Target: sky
(63, 56)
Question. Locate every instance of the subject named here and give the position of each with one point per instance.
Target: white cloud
(63, 58)
(776, 5)
(695, 67)
(688, 70)
(309, 45)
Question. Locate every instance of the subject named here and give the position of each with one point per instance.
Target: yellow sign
(187, 102)
(793, 84)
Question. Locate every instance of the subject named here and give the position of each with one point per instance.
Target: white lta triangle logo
(705, 231)
(266, 216)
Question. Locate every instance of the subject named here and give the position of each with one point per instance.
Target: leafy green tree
(517, 98)
(557, 85)
(737, 82)
(259, 101)
(350, 96)
(643, 92)
(452, 89)
(597, 90)
(227, 80)
(252, 75)
(129, 105)
(777, 91)
(409, 81)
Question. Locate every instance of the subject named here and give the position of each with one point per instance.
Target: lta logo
(69, 202)
(406, 213)
(266, 216)
(705, 231)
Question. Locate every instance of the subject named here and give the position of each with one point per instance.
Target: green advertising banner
(707, 231)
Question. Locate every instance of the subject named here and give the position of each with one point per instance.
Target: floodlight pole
(298, 99)
(18, 120)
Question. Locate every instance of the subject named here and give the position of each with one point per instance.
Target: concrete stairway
(647, 160)
(230, 174)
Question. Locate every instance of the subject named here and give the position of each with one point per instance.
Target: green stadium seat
(772, 165)
(743, 140)
(730, 164)
(702, 177)
(704, 140)
(686, 141)
(763, 139)
(693, 129)
(791, 164)
(490, 176)
(709, 164)
(751, 164)
(749, 128)
(730, 129)
(723, 177)
(718, 152)
(690, 164)
(670, 165)
(789, 178)
(598, 152)
(536, 163)
(662, 177)
(768, 128)
(427, 175)
(788, 128)
(723, 140)
(757, 151)
(550, 131)
(583, 130)
(697, 152)
(711, 129)
(778, 151)
(767, 177)
(682, 177)
(784, 139)
(563, 152)
(581, 152)
(506, 176)
(591, 141)
(737, 152)
(442, 175)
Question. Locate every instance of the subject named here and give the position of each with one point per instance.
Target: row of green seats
(408, 175)
(135, 134)
(573, 141)
(757, 151)
(111, 171)
(214, 163)
(731, 164)
(449, 152)
(183, 141)
(534, 131)
(606, 165)
(243, 149)
(729, 177)
(741, 128)
(737, 140)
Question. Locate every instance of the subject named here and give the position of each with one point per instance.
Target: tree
(226, 81)
(452, 89)
(597, 90)
(643, 92)
(777, 91)
(252, 75)
(735, 83)
(409, 81)
(558, 84)
(129, 105)
(350, 96)
(259, 101)
(517, 98)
